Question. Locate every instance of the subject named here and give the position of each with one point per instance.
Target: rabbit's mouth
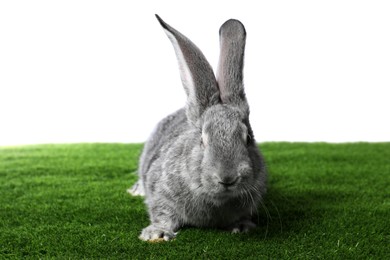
(227, 184)
(227, 191)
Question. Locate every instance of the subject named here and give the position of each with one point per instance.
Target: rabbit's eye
(248, 140)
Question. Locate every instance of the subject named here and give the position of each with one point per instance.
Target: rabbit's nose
(228, 181)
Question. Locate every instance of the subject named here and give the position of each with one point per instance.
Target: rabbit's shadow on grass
(286, 211)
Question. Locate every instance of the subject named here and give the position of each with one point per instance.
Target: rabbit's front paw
(242, 226)
(153, 233)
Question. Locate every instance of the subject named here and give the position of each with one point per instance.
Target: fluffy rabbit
(201, 166)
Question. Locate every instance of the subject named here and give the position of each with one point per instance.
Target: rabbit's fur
(201, 166)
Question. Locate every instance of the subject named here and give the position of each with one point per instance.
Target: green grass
(327, 201)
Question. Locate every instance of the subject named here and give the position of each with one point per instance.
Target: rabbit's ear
(231, 62)
(196, 74)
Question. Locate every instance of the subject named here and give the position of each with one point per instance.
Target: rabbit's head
(225, 152)
(224, 156)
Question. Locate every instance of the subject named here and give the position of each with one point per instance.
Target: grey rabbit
(201, 166)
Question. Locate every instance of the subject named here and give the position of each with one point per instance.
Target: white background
(104, 71)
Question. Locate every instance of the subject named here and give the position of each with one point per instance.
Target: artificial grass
(328, 201)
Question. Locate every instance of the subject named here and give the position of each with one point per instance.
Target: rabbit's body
(201, 166)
